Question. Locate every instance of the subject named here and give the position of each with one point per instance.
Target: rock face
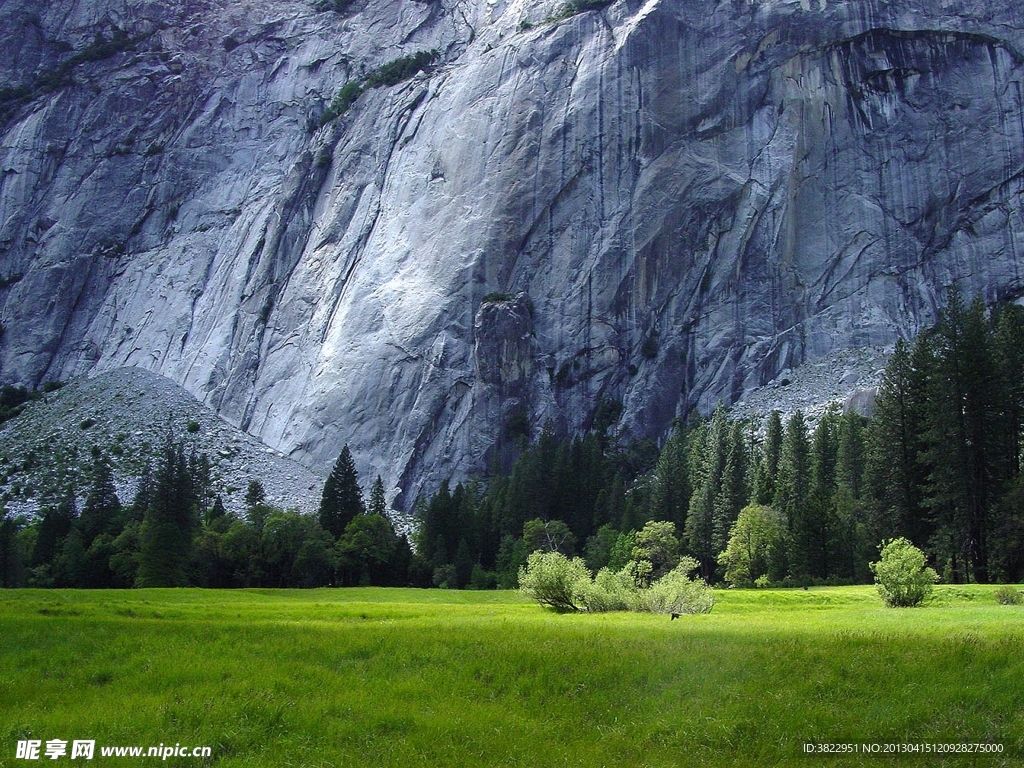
(691, 197)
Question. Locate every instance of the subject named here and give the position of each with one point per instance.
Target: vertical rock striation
(675, 200)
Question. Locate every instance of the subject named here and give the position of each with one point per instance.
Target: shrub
(192, 427)
(496, 297)
(610, 591)
(676, 592)
(401, 69)
(552, 579)
(1009, 596)
(903, 579)
(344, 99)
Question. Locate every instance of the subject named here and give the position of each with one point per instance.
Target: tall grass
(374, 677)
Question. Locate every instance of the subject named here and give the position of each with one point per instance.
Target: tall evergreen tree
(11, 558)
(102, 508)
(54, 528)
(820, 535)
(707, 462)
(850, 453)
(1008, 351)
(792, 493)
(342, 498)
(670, 491)
(895, 468)
(767, 472)
(165, 539)
(378, 504)
(964, 428)
(732, 493)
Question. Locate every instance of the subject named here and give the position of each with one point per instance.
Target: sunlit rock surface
(691, 197)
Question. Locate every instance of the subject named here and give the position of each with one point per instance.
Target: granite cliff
(662, 203)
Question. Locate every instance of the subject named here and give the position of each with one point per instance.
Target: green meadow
(395, 677)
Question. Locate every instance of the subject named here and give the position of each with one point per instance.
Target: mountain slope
(127, 414)
(663, 203)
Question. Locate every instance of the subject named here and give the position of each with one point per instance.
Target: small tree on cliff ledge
(342, 499)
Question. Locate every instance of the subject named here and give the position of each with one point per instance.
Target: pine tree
(732, 492)
(378, 501)
(670, 491)
(54, 528)
(342, 498)
(895, 470)
(165, 539)
(102, 508)
(793, 491)
(1008, 349)
(850, 453)
(963, 434)
(707, 461)
(766, 475)
(11, 559)
(820, 532)
(255, 494)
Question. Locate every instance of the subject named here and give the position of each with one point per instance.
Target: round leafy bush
(676, 592)
(902, 577)
(554, 580)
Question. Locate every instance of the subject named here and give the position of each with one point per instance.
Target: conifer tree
(102, 508)
(964, 426)
(895, 470)
(670, 491)
(165, 539)
(766, 476)
(793, 490)
(850, 453)
(708, 463)
(732, 492)
(54, 528)
(11, 560)
(342, 498)
(378, 504)
(255, 494)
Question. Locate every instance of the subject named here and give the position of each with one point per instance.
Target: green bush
(496, 297)
(676, 592)
(344, 99)
(1009, 596)
(552, 579)
(609, 591)
(903, 579)
(401, 69)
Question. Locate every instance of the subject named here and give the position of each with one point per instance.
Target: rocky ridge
(127, 414)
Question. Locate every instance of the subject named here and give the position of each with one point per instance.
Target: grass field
(375, 677)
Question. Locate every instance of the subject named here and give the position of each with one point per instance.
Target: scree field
(374, 677)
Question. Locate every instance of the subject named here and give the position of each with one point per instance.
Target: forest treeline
(786, 503)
